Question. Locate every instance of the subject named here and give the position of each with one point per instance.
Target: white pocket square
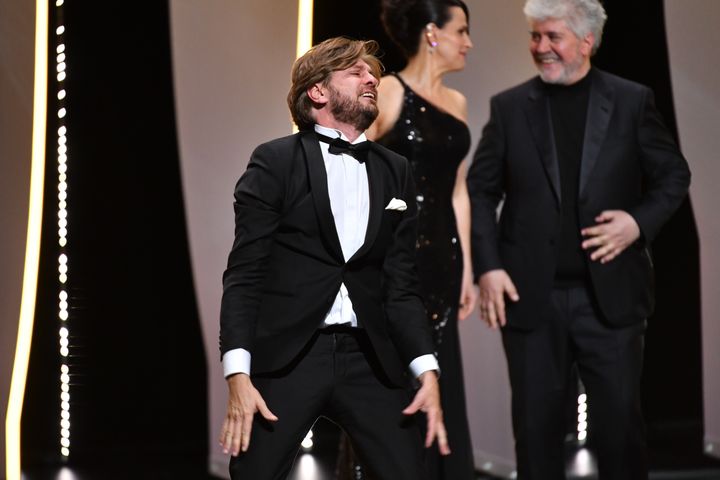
(396, 204)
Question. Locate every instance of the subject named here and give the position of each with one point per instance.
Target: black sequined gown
(435, 143)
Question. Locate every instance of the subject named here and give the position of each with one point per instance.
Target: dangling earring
(433, 43)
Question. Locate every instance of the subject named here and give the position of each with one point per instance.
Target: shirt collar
(332, 133)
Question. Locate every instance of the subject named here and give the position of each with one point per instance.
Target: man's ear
(318, 94)
(586, 45)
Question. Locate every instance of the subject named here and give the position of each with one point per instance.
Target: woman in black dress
(426, 121)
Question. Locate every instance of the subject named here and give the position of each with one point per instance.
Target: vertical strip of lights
(62, 215)
(582, 418)
(32, 247)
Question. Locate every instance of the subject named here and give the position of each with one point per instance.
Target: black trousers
(336, 376)
(609, 361)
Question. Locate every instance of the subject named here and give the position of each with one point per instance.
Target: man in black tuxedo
(587, 173)
(321, 288)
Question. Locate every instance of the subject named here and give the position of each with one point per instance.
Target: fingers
(230, 434)
(511, 291)
(265, 411)
(226, 434)
(442, 439)
(605, 216)
(487, 313)
(414, 406)
(431, 428)
(243, 440)
(500, 310)
(467, 304)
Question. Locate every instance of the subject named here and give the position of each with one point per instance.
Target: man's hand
(494, 285)
(614, 232)
(243, 401)
(468, 295)
(427, 399)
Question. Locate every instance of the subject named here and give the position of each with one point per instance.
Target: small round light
(65, 452)
(63, 314)
(582, 398)
(62, 112)
(61, 76)
(61, 94)
(60, 30)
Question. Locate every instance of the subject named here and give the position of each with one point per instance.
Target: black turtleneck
(568, 107)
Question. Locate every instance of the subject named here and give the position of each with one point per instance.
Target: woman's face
(453, 39)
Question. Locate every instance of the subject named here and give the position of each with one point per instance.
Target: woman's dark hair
(405, 19)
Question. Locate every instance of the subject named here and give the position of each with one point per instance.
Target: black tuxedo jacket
(629, 162)
(286, 264)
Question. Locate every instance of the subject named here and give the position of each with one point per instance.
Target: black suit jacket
(629, 162)
(286, 264)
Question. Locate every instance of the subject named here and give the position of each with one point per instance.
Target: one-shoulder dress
(435, 143)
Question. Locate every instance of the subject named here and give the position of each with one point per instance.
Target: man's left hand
(427, 399)
(614, 232)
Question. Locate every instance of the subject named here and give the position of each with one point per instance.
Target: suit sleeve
(486, 189)
(407, 321)
(258, 205)
(666, 175)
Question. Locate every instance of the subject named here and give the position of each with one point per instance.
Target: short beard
(348, 110)
(568, 72)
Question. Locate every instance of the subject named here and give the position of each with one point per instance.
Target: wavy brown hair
(318, 64)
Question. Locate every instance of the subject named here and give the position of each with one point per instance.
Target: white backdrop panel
(693, 37)
(17, 56)
(231, 64)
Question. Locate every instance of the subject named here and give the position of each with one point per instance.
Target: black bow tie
(338, 146)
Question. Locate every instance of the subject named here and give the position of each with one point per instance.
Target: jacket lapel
(538, 116)
(376, 185)
(319, 192)
(600, 108)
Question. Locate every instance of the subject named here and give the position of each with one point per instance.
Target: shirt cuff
(236, 361)
(423, 363)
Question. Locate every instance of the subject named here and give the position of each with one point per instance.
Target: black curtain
(138, 372)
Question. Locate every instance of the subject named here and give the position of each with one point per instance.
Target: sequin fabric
(434, 142)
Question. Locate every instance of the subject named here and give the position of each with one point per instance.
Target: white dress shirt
(350, 204)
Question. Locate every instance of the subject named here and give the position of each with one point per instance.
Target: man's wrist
(424, 363)
(235, 361)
